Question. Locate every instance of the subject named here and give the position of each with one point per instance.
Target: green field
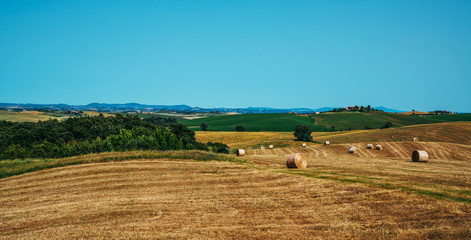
(279, 122)
(356, 120)
(285, 122)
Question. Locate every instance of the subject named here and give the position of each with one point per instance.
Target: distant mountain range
(133, 107)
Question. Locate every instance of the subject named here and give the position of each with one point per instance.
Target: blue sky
(400, 54)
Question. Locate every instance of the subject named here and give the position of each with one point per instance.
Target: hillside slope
(357, 120)
(279, 122)
(454, 132)
(284, 122)
(174, 198)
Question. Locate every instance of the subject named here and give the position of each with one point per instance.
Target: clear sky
(399, 54)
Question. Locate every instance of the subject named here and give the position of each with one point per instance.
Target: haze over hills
(124, 107)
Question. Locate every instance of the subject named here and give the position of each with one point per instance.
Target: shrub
(218, 147)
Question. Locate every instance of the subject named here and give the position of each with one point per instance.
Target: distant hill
(385, 109)
(127, 107)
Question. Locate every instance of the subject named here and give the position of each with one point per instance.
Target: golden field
(25, 116)
(371, 194)
(454, 132)
(247, 139)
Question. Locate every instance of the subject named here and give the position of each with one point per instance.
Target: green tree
(183, 133)
(303, 133)
(204, 126)
(387, 125)
(240, 128)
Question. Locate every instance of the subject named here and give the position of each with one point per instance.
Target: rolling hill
(279, 122)
(452, 132)
(285, 122)
(145, 195)
(356, 120)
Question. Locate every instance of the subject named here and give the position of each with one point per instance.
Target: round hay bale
(240, 152)
(369, 146)
(379, 147)
(352, 149)
(419, 156)
(270, 146)
(391, 136)
(326, 143)
(304, 145)
(415, 139)
(296, 160)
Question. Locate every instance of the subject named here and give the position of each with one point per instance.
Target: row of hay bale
(417, 155)
(368, 146)
(298, 160)
(269, 146)
(325, 143)
(241, 152)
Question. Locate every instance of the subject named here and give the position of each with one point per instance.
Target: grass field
(25, 116)
(368, 195)
(284, 122)
(276, 122)
(453, 132)
(346, 120)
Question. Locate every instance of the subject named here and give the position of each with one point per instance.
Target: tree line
(83, 135)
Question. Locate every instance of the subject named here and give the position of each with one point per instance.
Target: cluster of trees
(161, 121)
(303, 133)
(204, 127)
(355, 109)
(387, 125)
(76, 136)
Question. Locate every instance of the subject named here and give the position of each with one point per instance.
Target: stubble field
(370, 194)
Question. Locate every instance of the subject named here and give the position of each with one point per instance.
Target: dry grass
(248, 139)
(25, 116)
(455, 132)
(366, 195)
(169, 198)
(446, 175)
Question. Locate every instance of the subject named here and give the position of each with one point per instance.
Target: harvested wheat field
(370, 194)
(248, 139)
(454, 132)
